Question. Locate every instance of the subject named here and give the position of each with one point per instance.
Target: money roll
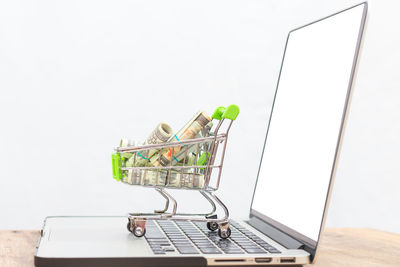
(125, 156)
(188, 180)
(146, 177)
(160, 178)
(192, 128)
(125, 142)
(161, 134)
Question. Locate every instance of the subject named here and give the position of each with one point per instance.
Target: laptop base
(105, 241)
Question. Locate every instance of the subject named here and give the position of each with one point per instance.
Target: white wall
(76, 76)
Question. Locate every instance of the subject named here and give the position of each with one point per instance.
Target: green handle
(218, 113)
(116, 164)
(231, 112)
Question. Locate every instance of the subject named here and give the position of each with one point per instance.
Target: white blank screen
(305, 124)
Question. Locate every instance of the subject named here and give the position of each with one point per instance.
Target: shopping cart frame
(207, 145)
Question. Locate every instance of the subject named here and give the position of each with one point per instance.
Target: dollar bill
(155, 177)
(192, 129)
(185, 153)
(188, 180)
(160, 134)
(146, 177)
(125, 142)
(206, 130)
(160, 178)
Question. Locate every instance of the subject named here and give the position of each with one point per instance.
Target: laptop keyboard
(186, 237)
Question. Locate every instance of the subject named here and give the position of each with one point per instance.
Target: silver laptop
(294, 182)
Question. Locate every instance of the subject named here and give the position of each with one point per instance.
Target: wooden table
(339, 247)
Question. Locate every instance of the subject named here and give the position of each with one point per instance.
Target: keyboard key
(254, 250)
(227, 246)
(154, 235)
(178, 239)
(185, 246)
(159, 244)
(205, 246)
(182, 244)
(201, 241)
(210, 250)
(234, 251)
(185, 250)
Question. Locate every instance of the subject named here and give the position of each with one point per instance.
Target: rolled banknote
(191, 159)
(131, 177)
(151, 177)
(124, 143)
(188, 180)
(185, 126)
(206, 130)
(188, 152)
(159, 178)
(135, 177)
(127, 178)
(184, 154)
(160, 134)
(190, 131)
(146, 177)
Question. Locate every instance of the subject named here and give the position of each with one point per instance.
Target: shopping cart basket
(199, 169)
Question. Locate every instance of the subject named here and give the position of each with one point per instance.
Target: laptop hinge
(282, 238)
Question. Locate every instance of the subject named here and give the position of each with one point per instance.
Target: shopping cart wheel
(212, 226)
(129, 227)
(139, 231)
(224, 232)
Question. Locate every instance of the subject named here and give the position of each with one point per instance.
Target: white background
(76, 76)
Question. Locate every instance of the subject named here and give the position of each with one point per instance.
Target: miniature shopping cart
(199, 170)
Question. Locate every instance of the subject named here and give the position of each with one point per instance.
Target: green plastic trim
(231, 112)
(203, 159)
(218, 113)
(116, 164)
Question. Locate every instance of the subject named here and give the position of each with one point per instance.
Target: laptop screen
(306, 121)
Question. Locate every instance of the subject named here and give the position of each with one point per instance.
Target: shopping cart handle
(218, 113)
(231, 112)
(116, 164)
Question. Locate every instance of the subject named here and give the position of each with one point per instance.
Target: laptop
(294, 182)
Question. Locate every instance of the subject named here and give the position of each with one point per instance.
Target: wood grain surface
(339, 247)
(17, 248)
